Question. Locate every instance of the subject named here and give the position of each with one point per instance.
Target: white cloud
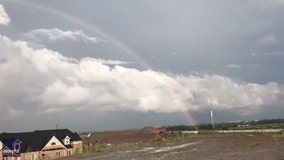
(269, 39)
(234, 66)
(34, 81)
(55, 34)
(110, 62)
(4, 18)
(253, 54)
(242, 98)
(73, 94)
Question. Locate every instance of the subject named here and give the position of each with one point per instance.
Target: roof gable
(53, 143)
(36, 140)
(11, 147)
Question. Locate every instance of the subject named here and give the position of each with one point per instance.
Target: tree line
(227, 125)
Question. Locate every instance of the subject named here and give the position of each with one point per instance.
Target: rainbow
(94, 28)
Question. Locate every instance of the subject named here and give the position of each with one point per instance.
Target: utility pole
(212, 119)
(211, 115)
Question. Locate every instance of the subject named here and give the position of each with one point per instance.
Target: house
(39, 144)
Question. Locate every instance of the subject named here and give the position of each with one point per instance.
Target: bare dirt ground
(139, 145)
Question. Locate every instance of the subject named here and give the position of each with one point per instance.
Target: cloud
(254, 65)
(225, 94)
(274, 53)
(55, 34)
(111, 62)
(234, 66)
(4, 18)
(44, 81)
(269, 39)
(276, 3)
(73, 94)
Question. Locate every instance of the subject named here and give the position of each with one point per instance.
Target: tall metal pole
(88, 139)
(211, 115)
(212, 119)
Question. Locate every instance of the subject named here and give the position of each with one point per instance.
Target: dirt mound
(149, 129)
(118, 137)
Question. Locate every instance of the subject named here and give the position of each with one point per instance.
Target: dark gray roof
(36, 140)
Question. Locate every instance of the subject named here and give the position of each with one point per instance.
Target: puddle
(145, 149)
(165, 149)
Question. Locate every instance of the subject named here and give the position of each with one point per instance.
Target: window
(68, 152)
(17, 147)
(66, 140)
(44, 156)
(5, 158)
(53, 143)
(57, 154)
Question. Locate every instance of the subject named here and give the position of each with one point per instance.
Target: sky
(108, 65)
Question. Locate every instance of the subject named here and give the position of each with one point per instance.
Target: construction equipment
(160, 134)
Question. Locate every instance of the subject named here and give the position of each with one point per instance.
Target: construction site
(152, 143)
